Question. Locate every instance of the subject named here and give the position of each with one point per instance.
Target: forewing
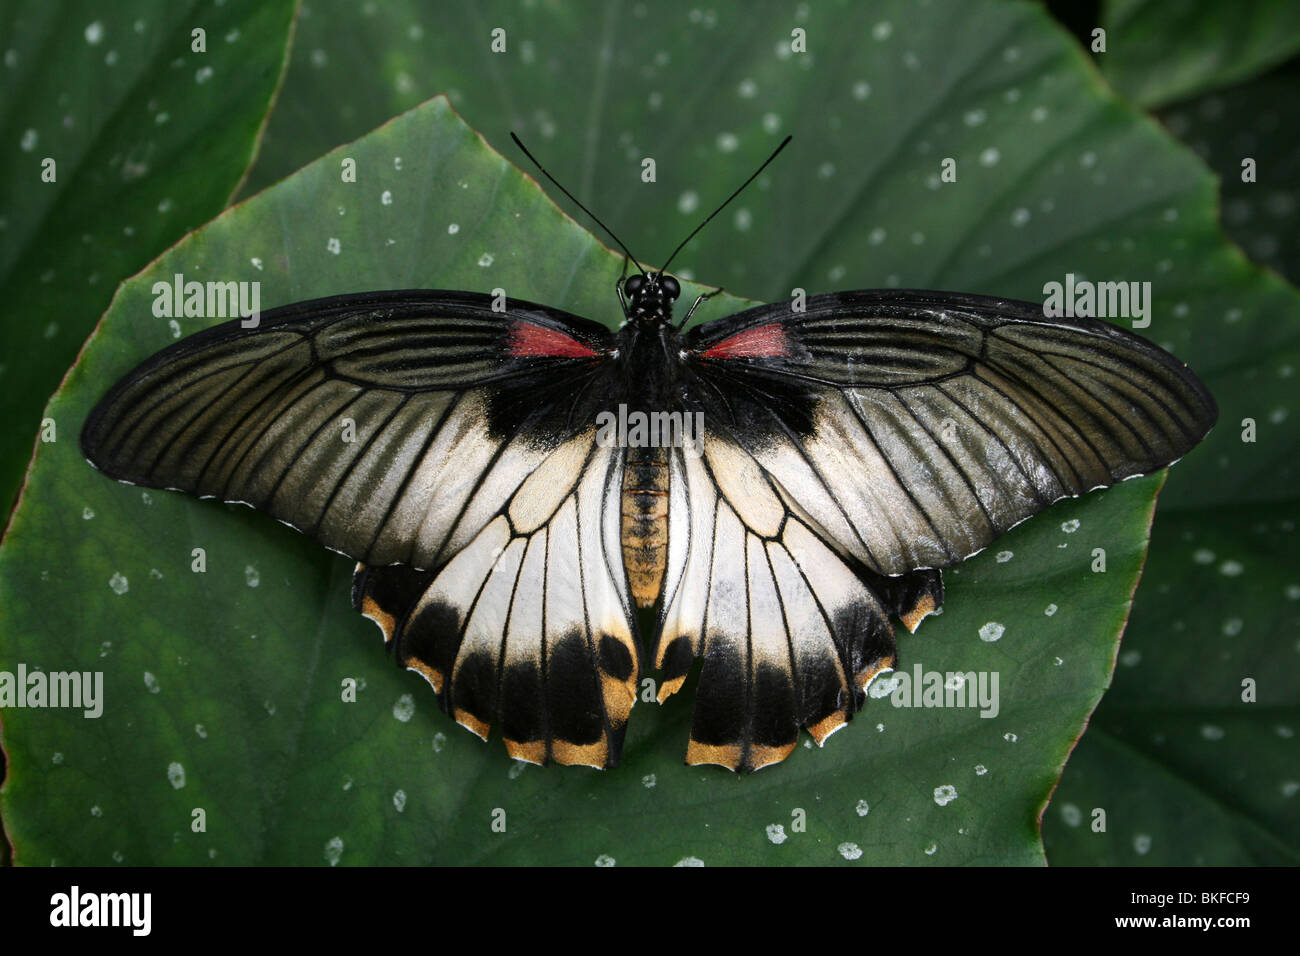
(528, 627)
(914, 428)
(390, 426)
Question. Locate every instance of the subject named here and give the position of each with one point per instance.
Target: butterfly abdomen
(645, 522)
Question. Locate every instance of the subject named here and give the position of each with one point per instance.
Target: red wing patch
(765, 341)
(533, 341)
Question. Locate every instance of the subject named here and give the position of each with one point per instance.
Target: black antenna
(724, 205)
(581, 206)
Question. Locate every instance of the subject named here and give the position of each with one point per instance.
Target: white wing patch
(790, 635)
(741, 481)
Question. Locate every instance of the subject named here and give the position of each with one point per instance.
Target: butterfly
(519, 485)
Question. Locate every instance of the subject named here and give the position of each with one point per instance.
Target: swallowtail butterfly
(511, 509)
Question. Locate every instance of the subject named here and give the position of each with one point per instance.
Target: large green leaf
(1159, 52)
(149, 140)
(223, 689)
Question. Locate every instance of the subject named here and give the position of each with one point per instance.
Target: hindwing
(529, 626)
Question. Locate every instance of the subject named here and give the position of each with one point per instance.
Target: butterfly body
(654, 399)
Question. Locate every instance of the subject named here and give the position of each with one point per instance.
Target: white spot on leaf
(404, 709)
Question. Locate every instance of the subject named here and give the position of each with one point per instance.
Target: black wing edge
(997, 310)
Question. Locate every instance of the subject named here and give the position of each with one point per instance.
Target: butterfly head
(651, 297)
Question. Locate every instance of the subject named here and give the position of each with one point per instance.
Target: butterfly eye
(632, 285)
(671, 287)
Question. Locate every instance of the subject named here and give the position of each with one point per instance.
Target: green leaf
(1159, 52)
(149, 139)
(223, 689)
(1254, 121)
(1186, 770)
